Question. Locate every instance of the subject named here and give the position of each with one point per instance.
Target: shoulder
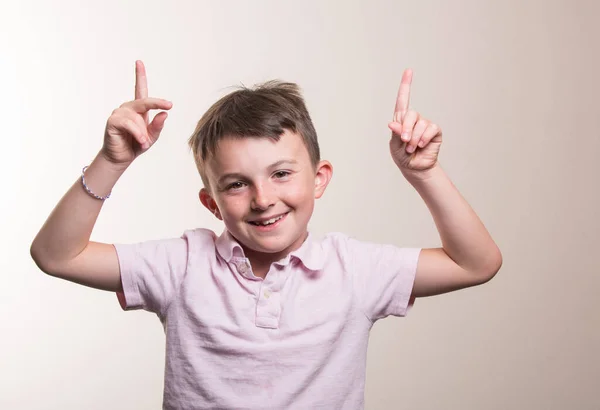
(332, 241)
(351, 248)
(189, 240)
(200, 241)
(200, 236)
(338, 245)
(341, 242)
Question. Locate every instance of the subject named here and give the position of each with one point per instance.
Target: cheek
(301, 193)
(233, 206)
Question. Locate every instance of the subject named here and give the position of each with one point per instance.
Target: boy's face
(264, 191)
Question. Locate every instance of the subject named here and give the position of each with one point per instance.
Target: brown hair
(264, 111)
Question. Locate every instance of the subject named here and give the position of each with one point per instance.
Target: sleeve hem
(404, 293)
(130, 297)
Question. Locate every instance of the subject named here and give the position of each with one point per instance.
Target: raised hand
(128, 133)
(416, 141)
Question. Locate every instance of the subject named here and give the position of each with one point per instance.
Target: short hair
(264, 111)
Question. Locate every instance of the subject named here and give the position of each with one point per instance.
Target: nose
(263, 198)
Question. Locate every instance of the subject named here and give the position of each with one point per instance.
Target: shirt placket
(268, 307)
(268, 299)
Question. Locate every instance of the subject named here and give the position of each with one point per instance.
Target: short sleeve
(151, 273)
(383, 276)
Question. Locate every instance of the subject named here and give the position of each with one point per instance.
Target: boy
(264, 315)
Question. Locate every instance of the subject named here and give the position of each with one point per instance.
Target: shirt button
(243, 267)
(267, 294)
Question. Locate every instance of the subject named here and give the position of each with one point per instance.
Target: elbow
(496, 261)
(41, 259)
(37, 255)
(492, 265)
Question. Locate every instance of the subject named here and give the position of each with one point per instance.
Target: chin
(270, 246)
(267, 244)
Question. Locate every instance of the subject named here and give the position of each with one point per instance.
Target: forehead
(247, 154)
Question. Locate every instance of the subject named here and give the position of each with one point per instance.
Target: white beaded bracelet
(89, 191)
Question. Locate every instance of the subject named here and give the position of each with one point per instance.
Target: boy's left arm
(468, 256)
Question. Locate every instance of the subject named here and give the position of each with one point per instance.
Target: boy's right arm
(62, 248)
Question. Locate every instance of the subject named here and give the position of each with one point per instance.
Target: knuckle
(114, 120)
(122, 111)
(128, 112)
(121, 123)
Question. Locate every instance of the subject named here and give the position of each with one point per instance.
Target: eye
(281, 174)
(235, 186)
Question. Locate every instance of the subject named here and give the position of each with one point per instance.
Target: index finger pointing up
(403, 99)
(141, 82)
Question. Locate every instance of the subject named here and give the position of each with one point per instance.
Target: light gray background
(514, 85)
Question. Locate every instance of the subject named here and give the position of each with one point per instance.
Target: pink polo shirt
(295, 340)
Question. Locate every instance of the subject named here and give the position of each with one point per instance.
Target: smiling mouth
(268, 221)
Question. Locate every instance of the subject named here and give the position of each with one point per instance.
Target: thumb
(395, 127)
(156, 126)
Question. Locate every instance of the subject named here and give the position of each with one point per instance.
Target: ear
(323, 175)
(209, 203)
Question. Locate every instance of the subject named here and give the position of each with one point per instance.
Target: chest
(289, 308)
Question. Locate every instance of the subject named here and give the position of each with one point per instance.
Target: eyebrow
(237, 175)
(281, 162)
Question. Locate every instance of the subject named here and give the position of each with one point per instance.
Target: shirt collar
(310, 253)
(228, 247)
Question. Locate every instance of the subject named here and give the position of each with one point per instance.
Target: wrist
(102, 162)
(422, 176)
(99, 178)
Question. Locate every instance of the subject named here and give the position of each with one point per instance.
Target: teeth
(270, 221)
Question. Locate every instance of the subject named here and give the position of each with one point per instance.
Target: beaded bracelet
(89, 191)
